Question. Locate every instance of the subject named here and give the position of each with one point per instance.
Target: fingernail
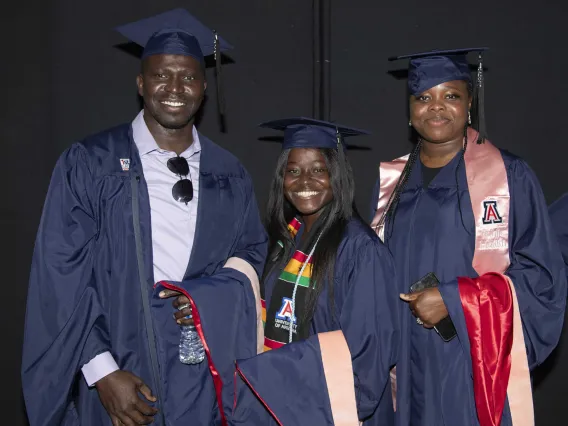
(161, 294)
(178, 321)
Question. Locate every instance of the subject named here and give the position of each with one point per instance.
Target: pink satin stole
(389, 174)
(488, 188)
(245, 267)
(338, 370)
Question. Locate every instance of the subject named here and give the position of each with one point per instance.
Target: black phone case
(445, 328)
(427, 281)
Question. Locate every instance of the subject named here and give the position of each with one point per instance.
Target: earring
(409, 123)
(468, 117)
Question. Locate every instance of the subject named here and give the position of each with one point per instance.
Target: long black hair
(330, 225)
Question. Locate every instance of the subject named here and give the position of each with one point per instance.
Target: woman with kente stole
(328, 291)
(477, 260)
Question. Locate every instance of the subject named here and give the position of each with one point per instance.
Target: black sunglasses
(182, 191)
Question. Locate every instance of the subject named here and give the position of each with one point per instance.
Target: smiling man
(138, 221)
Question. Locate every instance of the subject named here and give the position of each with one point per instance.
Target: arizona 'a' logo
(285, 311)
(490, 213)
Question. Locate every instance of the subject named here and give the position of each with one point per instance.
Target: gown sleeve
(65, 323)
(482, 308)
(559, 217)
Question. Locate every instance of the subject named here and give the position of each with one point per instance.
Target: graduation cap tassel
(218, 79)
(338, 137)
(481, 103)
(340, 147)
(341, 154)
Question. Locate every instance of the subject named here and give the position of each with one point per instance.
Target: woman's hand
(427, 306)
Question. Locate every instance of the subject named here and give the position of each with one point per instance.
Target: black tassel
(340, 148)
(342, 157)
(338, 138)
(218, 80)
(480, 86)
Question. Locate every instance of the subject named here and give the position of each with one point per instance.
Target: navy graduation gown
(289, 382)
(85, 294)
(433, 233)
(559, 217)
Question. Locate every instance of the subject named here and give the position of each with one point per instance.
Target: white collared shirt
(173, 223)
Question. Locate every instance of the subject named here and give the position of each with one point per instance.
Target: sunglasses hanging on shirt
(182, 191)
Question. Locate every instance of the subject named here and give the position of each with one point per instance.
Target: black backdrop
(64, 78)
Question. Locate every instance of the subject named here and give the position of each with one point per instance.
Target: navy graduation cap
(302, 132)
(177, 32)
(429, 69)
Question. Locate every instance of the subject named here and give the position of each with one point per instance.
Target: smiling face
(173, 87)
(440, 113)
(307, 184)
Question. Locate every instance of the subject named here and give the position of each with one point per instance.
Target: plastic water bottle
(190, 347)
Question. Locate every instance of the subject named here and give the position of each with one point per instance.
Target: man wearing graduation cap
(331, 336)
(478, 266)
(135, 217)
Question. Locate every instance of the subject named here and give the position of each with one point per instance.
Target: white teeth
(306, 194)
(174, 104)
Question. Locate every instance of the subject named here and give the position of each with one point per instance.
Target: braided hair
(392, 204)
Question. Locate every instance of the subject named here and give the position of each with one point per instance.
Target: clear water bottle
(190, 347)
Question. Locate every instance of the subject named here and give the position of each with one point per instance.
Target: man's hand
(119, 395)
(180, 300)
(427, 305)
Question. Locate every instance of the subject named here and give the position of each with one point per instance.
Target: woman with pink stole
(478, 265)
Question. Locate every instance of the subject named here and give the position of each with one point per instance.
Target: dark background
(64, 78)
